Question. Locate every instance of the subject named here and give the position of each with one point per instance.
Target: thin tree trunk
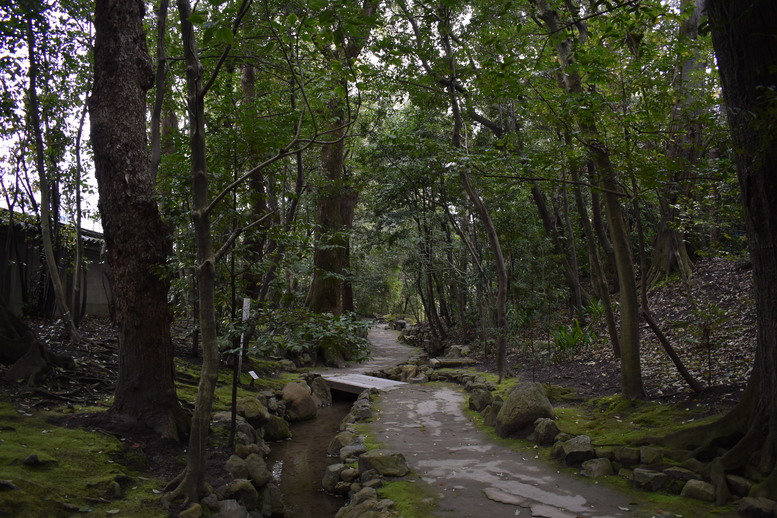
(45, 194)
(192, 483)
(678, 363)
(631, 372)
(603, 290)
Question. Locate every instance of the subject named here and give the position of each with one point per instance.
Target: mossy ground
(411, 499)
(88, 472)
(78, 471)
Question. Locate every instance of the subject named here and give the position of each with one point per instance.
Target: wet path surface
(472, 476)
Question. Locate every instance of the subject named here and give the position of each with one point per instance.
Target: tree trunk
(570, 271)
(631, 371)
(45, 192)
(23, 351)
(745, 39)
(600, 281)
(192, 480)
(670, 254)
(329, 290)
(138, 242)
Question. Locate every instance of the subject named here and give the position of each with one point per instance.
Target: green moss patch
(614, 420)
(62, 472)
(411, 497)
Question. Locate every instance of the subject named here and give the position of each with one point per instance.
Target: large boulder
(385, 462)
(276, 429)
(300, 405)
(321, 393)
(253, 411)
(525, 404)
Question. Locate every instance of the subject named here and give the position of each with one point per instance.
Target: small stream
(298, 465)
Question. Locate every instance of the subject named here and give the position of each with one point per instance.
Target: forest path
(469, 473)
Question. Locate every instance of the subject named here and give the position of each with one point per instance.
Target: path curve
(472, 476)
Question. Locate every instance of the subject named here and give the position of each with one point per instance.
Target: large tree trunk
(670, 254)
(330, 289)
(745, 40)
(138, 242)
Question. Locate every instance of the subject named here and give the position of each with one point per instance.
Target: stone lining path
(471, 475)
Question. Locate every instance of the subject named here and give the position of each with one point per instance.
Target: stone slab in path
(357, 383)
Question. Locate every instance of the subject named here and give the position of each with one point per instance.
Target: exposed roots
(746, 433)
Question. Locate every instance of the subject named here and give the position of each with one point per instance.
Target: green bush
(298, 331)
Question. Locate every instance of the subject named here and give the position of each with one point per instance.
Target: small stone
(385, 462)
(679, 473)
(694, 465)
(349, 474)
(276, 429)
(577, 450)
(257, 470)
(354, 449)
(649, 455)
(272, 501)
(627, 455)
(626, 474)
(322, 395)
(491, 412)
(232, 509)
(503, 497)
(699, 490)
(649, 480)
(331, 477)
(244, 492)
(740, 486)
(545, 431)
(193, 511)
(299, 402)
(757, 507)
(211, 501)
(480, 399)
(605, 452)
(340, 440)
(596, 468)
(236, 466)
(252, 410)
(342, 488)
(7, 485)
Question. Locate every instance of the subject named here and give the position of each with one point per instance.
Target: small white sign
(253, 375)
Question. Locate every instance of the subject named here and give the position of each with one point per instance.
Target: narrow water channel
(298, 465)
